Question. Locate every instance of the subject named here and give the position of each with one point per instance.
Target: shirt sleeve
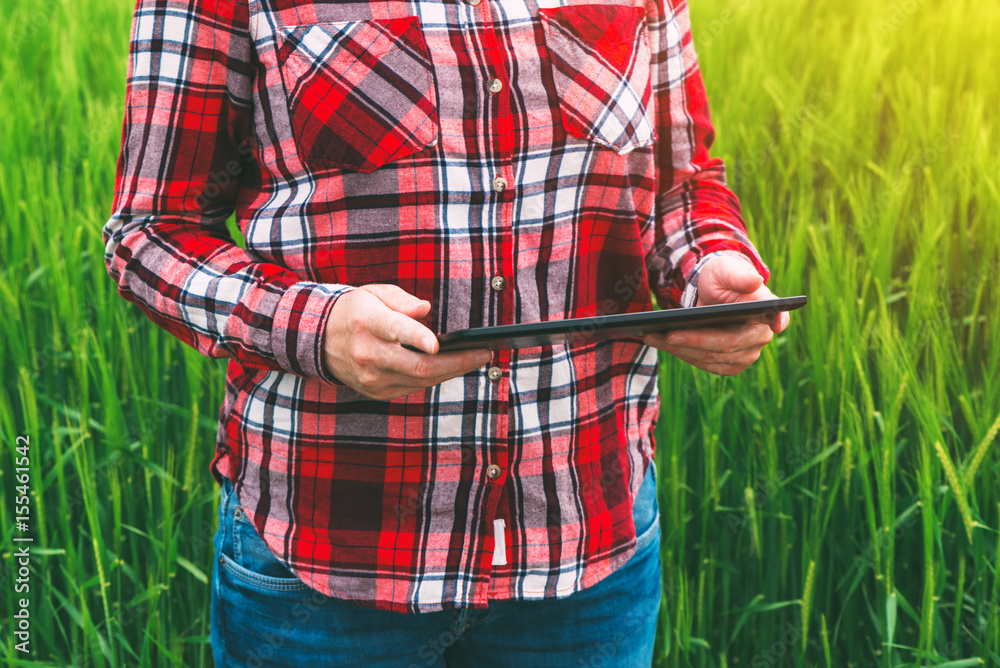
(697, 215)
(187, 151)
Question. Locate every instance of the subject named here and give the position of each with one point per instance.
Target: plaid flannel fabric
(433, 144)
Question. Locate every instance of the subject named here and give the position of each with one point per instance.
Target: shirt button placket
(499, 124)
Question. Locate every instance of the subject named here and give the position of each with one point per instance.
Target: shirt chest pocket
(600, 62)
(360, 94)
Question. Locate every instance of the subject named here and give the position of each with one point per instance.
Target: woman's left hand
(728, 349)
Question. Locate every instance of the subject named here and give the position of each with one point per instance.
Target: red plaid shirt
(436, 145)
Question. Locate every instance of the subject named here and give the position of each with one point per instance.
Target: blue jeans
(262, 615)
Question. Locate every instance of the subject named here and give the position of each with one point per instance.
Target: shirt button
(499, 184)
(496, 85)
(497, 283)
(473, 2)
(494, 373)
(493, 472)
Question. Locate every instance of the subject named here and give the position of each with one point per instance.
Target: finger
(777, 322)
(718, 367)
(720, 295)
(422, 308)
(723, 365)
(416, 385)
(733, 274)
(723, 369)
(394, 327)
(440, 379)
(715, 339)
(741, 277)
(420, 369)
(700, 358)
(762, 292)
(390, 392)
(399, 299)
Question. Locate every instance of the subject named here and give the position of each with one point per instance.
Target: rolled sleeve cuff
(297, 329)
(689, 297)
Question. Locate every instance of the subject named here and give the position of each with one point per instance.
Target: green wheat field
(837, 505)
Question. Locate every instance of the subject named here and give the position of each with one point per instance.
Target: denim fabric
(264, 616)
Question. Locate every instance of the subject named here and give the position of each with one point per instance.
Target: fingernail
(676, 339)
(483, 358)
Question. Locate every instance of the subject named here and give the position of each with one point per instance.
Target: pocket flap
(600, 59)
(360, 94)
(608, 33)
(357, 40)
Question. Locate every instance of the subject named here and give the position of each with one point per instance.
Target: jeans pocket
(249, 560)
(262, 615)
(645, 510)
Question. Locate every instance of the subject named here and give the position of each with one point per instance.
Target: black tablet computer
(620, 325)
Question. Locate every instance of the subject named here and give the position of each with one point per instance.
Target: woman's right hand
(361, 344)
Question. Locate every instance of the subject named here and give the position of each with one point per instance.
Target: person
(399, 169)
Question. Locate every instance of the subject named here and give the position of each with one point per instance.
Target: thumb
(399, 299)
(738, 276)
